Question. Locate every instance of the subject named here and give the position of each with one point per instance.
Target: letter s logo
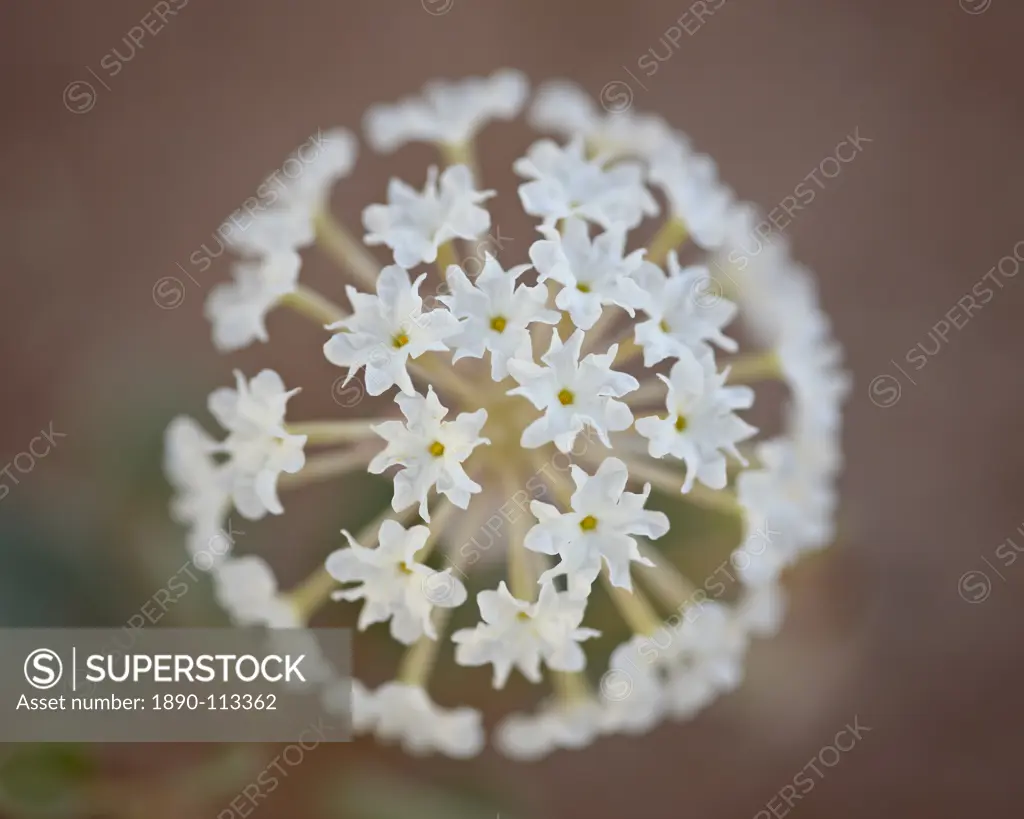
(43, 668)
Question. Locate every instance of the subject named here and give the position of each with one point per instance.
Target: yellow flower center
(663, 326)
(583, 287)
(681, 423)
(400, 340)
(436, 449)
(588, 524)
(403, 567)
(522, 616)
(498, 324)
(565, 398)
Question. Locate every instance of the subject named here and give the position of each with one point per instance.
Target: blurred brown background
(98, 205)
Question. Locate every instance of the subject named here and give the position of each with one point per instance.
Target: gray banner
(171, 685)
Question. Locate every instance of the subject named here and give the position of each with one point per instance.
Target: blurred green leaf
(45, 781)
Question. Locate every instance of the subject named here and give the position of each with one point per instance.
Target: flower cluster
(562, 391)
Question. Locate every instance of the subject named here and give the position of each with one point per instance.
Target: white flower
(280, 216)
(811, 362)
(696, 196)
(386, 330)
(631, 690)
(563, 108)
(565, 183)
(431, 451)
(495, 315)
(701, 427)
(331, 156)
(393, 585)
(789, 505)
(247, 589)
(573, 394)
(414, 225)
(769, 288)
(238, 309)
(349, 698)
(585, 193)
(592, 273)
(521, 635)
(685, 312)
(762, 609)
(566, 109)
(397, 712)
(704, 659)
(556, 724)
(449, 113)
(601, 527)
(202, 486)
(256, 233)
(258, 443)
(781, 305)
(760, 560)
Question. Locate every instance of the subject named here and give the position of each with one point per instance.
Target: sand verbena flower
(558, 402)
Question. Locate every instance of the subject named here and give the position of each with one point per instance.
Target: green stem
(346, 250)
(521, 575)
(633, 607)
(311, 304)
(760, 366)
(333, 432)
(672, 234)
(329, 465)
(462, 153)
